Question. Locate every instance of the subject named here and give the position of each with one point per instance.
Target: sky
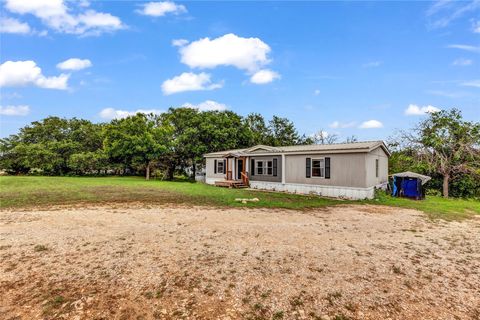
(357, 68)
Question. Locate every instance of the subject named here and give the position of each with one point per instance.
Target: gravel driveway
(135, 262)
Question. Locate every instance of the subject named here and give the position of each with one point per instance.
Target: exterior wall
(210, 175)
(325, 191)
(372, 179)
(256, 177)
(346, 170)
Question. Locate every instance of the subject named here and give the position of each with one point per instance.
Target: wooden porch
(230, 181)
(231, 184)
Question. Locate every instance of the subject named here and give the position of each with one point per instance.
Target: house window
(264, 168)
(220, 168)
(260, 167)
(318, 168)
(376, 168)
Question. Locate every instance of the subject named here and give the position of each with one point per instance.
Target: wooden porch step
(231, 184)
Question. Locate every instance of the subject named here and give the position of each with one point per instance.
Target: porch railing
(244, 178)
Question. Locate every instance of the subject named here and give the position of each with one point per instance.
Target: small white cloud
(341, 125)
(371, 124)
(316, 92)
(465, 47)
(476, 26)
(462, 62)
(74, 64)
(11, 25)
(189, 81)
(472, 83)
(58, 16)
(415, 110)
(111, 113)
(14, 110)
(208, 105)
(228, 50)
(179, 42)
(23, 73)
(372, 64)
(264, 76)
(159, 9)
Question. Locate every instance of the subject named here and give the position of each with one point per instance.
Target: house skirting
(324, 191)
(213, 180)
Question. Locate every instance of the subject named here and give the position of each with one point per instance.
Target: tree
(260, 133)
(323, 137)
(137, 139)
(282, 132)
(48, 144)
(448, 145)
(351, 139)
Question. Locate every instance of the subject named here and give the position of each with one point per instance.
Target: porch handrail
(244, 178)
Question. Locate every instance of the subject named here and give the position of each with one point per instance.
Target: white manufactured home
(346, 170)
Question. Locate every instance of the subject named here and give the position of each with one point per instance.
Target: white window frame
(218, 167)
(322, 168)
(265, 168)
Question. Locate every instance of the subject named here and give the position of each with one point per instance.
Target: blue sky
(348, 68)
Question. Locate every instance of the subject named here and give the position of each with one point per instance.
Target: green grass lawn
(28, 191)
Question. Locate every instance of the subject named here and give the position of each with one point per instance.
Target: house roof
(364, 146)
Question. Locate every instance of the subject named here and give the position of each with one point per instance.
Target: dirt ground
(349, 262)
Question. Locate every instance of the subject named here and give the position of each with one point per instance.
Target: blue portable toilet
(409, 184)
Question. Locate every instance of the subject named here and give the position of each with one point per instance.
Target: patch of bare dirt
(349, 262)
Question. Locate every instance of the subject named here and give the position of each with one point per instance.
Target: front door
(239, 169)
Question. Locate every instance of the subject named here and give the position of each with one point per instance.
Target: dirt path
(352, 262)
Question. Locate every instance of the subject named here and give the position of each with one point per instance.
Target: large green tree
(448, 145)
(139, 139)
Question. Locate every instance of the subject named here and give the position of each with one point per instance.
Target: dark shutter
(252, 167)
(308, 167)
(224, 166)
(327, 168)
(215, 166)
(274, 167)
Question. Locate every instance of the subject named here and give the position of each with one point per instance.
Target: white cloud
(372, 64)
(472, 83)
(341, 125)
(264, 76)
(56, 15)
(179, 42)
(14, 110)
(189, 81)
(371, 124)
(476, 26)
(159, 9)
(74, 64)
(111, 113)
(443, 12)
(22, 73)
(462, 62)
(316, 92)
(465, 47)
(11, 25)
(228, 50)
(208, 105)
(415, 110)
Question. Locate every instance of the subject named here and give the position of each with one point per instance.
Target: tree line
(443, 146)
(138, 144)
